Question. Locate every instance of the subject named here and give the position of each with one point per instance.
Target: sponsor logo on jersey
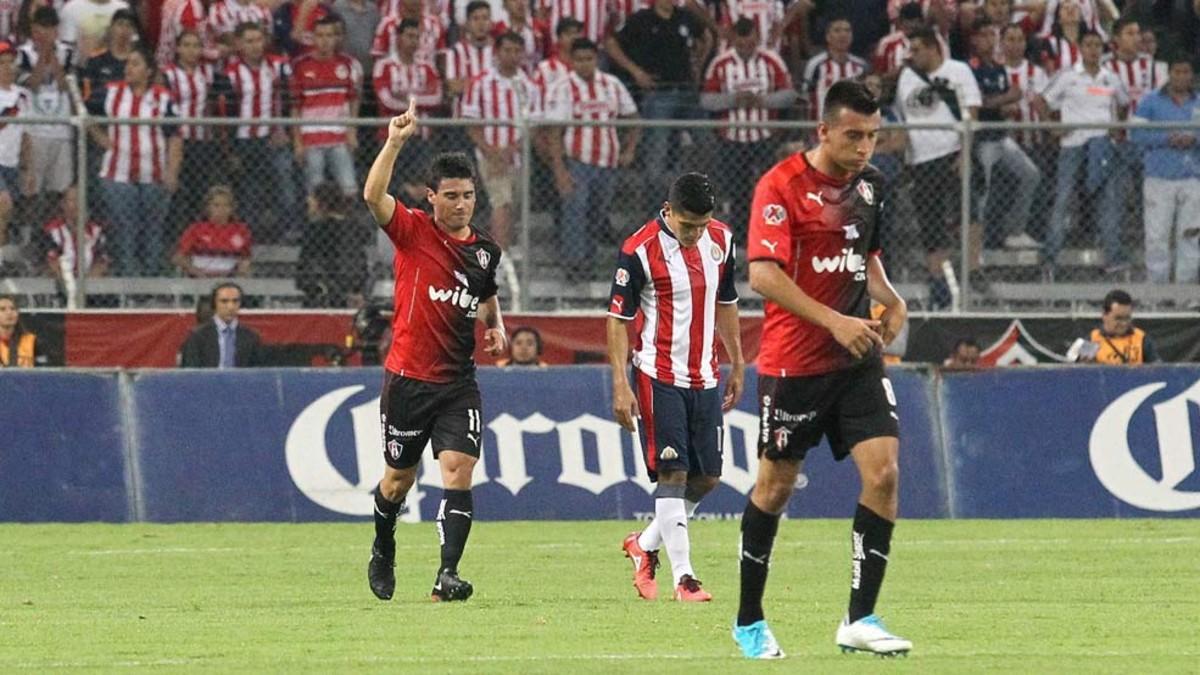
(866, 192)
(618, 304)
(622, 277)
(851, 232)
(774, 214)
(848, 261)
(459, 297)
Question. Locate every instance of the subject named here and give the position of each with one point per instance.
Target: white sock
(671, 515)
(651, 537)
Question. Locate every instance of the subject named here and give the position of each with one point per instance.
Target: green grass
(1015, 596)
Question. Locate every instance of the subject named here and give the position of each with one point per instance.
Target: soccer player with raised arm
(814, 255)
(445, 281)
(676, 276)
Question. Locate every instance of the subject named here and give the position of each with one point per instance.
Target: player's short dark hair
(46, 17)
(449, 165)
(981, 22)
(510, 37)
(212, 297)
(911, 11)
(1178, 56)
(583, 44)
(1121, 23)
(1116, 297)
(537, 336)
(247, 26)
(925, 34)
(744, 26)
(565, 24)
(850, 94)
(405, 24)
(476, 5)
(693, 192)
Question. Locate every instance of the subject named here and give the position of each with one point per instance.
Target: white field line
(933, 543)
(539, 658)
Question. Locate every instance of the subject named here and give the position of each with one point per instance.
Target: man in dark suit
(222, 342)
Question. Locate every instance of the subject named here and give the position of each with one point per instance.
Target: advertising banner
(1081, 442)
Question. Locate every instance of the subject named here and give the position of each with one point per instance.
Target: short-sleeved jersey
(440, 282)
(821, 231)
(673, 292)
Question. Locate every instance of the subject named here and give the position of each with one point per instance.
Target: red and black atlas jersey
(821, 231)
(440, 282)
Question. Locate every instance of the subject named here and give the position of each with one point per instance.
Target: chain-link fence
(1041, 215)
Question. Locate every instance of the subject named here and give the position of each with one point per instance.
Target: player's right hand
(403, 126)
(625, 407)
(858, 336)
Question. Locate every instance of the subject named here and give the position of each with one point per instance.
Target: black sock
(385, 524)
(454, 525)
(871, 542)
(758, 536)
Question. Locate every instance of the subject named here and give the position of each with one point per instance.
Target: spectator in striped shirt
(217, 246)
(892, 51)
(533, 31)
(225, 16)
(62, 249)
(178, 17)
(504, 92)
(747, 84)
(1061, 43)
(258, 83)
(557, 66)
(194, 85)
(833, 65)
(586, 160)
(433, 30)
(398, 79)
(325, 86)
(140, 167)
(472, 55)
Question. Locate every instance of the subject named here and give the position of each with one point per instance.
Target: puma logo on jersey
(848, 261)
(815, 197)
(770, 245)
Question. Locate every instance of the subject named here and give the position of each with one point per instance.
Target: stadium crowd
(193, 200)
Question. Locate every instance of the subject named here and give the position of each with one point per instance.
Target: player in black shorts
(814, 255)
(445, 281)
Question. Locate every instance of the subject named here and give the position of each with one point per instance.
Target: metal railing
(989, 269)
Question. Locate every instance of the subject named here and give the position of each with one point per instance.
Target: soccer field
(1018, 596)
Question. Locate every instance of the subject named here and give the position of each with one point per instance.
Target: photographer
(1117, 342)
(933, 89)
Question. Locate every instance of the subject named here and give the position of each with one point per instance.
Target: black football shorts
(415, 412)
(848, 406)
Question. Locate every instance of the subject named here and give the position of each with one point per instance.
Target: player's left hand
(734, 387)
(892, 321)
(495, 341)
